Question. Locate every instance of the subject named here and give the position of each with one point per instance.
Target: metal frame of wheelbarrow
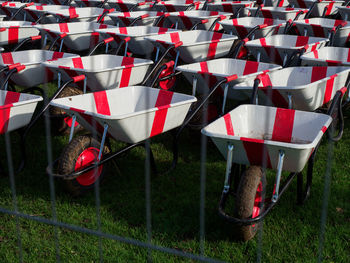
(110, 156)
(233, 172)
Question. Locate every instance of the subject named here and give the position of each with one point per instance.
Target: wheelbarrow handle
(159, 19)
(103, 15)
(238, 48)
(138, 19)
(203, 21)
(337, 106)
(191, 6)
(148, 76)
(46, 106)
(222, 17)
(14, 69)
(59, 37)
(28, 39)
(124, 41)
(9, 67)
(159, 71)
(335, 30)
(20, 9)
(102, 42)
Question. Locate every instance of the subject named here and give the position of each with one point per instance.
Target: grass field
(290, 233)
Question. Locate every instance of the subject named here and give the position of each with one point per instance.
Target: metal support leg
(228, 168)
(84, 87)
(194, 85)
(224, 99)
(61, 45)
(103, 141)
(289, 100)
(278, 176)
(177, 58)
(72, 128)
(157, 55)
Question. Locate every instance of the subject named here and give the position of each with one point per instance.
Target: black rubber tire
(68, 158)
(58, 115)
(245, 198)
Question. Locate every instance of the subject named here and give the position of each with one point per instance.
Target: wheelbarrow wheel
(81, 152)
(61, 122)
(249, 202)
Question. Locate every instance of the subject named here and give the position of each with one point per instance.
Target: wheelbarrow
(283, 49)
(194, 46)
(336, 30)
(76, 14)
(138, 44)
(139, 18)
(14, 10)
(318, 8)
(78, 36)
(15, 32)
(34, 72)
(39, 13)
(178, 5)
(235, 8)
(119, 5)
(197, 19)
(281, 13)
(262, 27)
(327, 56)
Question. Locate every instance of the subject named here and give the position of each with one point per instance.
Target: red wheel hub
(69, 120)
(86, 158)
(257, 201)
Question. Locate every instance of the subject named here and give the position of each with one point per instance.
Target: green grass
(291, 233)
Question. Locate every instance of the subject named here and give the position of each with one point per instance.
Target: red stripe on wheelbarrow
(250, 67)
(123, 30)
(256, 152)
(95, 36)
(271, 52)
(241, 30)
(7, 58)
(228, 124)
(185, 20)
(89, 119)
(72, 12)
(63, 27)
(13, 35)
(208, 77)
(126, 72)
(57, 55)
(163, 103)
(32, 14)
(11, 97)
(318, 73)
(301, 3)
(318, 31)
(38, 7)
(266, 13)
(123, 7)
(301, 41)
(162, 30)
(213, 45)
(283, 126)
(329, 8)
(77, 63)
(174, 37)
(101, 102)
(170, 8)
(329, 89)
(273, 94)
(315, 53)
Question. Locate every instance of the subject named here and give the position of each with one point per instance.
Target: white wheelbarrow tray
(319, 7)
(280, 48)
(125, 5)
(187, 19)
(344, 12)
(79, 35)
(282, 13)
(125, 18)
(103, 71)
(16, 109)
(327, 56)
(132, 114)
(198, 45)
(308, 88)
(230, 7)
(36, 11)
(241, 26)
(80, 14)
(322, 27)
(9, 8)
(13, 32)
(138, 44)
(178, 5)
(207, 73)
(276, 3)
(34, 73)
(255, 131)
